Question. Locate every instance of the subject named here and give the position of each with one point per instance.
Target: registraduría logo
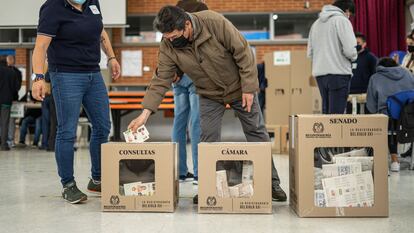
(114, 200)
(211, 201)
(318, 127)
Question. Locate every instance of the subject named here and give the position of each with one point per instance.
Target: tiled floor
(30, 202)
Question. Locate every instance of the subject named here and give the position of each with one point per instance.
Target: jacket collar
(199, 35)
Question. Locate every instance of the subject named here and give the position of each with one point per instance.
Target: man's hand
(114, 68)
(247, 101)
(139, 121)
(39, 90)
(176, 79)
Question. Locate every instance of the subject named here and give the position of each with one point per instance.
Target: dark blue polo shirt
(76, 35)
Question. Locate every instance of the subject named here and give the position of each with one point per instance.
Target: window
(9, 35)
(29, 35)
(252, 26)
(141, 30)
(293, 26)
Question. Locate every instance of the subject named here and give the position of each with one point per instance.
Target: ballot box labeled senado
(234, 178)
(139, 177)
(338, 165)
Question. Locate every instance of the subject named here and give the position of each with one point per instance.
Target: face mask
(180, 42)
(411, 48)
(79, 2)
(358, 48)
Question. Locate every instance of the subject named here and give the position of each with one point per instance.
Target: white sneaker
(395, 167)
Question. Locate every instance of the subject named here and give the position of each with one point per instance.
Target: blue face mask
(80, 2)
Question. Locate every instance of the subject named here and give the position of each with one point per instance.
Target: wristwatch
(37, 77)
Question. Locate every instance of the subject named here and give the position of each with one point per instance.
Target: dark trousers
(53, 124)
(334, 91)
(4, 124)
(211, 114)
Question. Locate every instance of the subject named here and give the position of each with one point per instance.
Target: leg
(195, 126)
(12, 129)
(338, 93)
(23, 128)
(68, 90)
(179, 132)
(254, 129)
(96, 104)
(4, 125)
(53, 124)
(38, 131)
(45, 121)
(323, 89)
(211, 114)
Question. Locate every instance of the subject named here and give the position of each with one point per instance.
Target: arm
(236, 44)
(310, 48)
(39, 57)
(347, 37)
(113, 64)
(160, 84)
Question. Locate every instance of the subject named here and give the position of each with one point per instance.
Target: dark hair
(345, 5)
(170, 18)
(192, 6)
(387, 62)
(361, 36)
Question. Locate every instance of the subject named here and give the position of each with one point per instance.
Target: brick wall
(21, 55)
(151, 6)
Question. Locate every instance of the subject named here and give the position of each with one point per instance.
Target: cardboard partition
(338, 165)
(234, 178)
(139, 177)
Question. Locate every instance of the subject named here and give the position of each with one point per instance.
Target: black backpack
(405, 130)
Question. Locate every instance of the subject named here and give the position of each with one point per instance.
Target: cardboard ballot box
(234, 178)
(139, 177)
(338, 165)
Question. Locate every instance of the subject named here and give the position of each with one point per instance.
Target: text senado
(343, 121)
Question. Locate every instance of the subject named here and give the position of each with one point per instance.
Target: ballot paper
(246, 190)
(247, 172)
(366, 162)
(320, 200)
(234, 191)
(355, 190)
(140, 136)
(139, 189)
(332, 170)
(222, 185)
(318, 176)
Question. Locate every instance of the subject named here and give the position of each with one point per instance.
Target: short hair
(387, 62)
(345, 5)
(192, 6)
(361, 36)
(3, 60)
(170, 18)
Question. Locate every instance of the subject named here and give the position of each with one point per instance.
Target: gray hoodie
(332, 42)
(387, 82)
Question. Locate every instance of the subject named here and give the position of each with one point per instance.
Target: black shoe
(72, 194)
(195, 200)
(189, 176)
(94, 186)
(278, 194)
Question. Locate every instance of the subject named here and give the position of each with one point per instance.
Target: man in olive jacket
(218, 59)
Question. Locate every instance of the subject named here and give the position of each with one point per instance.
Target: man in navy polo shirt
(72, 34)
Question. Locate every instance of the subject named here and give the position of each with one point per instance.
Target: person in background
(389, 80)
(8, 88)
(332, 49)
(72, 34)
(32, 117)
(187, 110)
(408, 61)
(262, 85)
(218, 59)
(11, 62)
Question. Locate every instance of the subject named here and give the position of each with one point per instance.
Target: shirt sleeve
(99, 8)
(48, 21)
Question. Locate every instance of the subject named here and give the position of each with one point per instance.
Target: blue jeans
(45, 121)
(70, 92)
(26, 123)
(187, 109)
